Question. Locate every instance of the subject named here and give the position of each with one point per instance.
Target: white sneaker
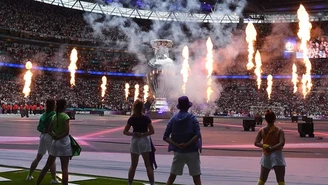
(55, 181)
(29, 177)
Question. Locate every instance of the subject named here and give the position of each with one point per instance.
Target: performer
(273, 142)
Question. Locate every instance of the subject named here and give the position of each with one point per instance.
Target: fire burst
(136, 92)
(145, 91)
(295, 78)
(72, 66)
(250, 38)
(258, 70)
(269, 88)
(185, 68)
(28, 79)
(127, 86)
(304, 34)
(209, 68)
(103, 86)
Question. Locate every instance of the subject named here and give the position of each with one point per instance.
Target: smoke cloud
(194, 35)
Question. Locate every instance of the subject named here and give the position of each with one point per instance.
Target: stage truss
(212, 17)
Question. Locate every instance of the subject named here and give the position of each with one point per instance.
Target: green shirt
(58, 126)
(45, 121)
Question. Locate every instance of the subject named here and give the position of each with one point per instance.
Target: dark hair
(137, 108)
(60, 106)
(50, 105)
(270, 116)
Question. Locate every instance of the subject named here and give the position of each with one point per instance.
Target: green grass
(19, 178)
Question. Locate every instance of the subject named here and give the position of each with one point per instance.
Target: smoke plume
(138, 34)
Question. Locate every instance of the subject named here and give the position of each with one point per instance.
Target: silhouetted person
(184, 138)
(140, 141)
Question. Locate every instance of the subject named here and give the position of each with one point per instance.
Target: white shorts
(140, 145)
(45, 143)
(191, 159)
(276, 158)
(61, 147)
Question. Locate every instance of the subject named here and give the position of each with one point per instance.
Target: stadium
(233, 59)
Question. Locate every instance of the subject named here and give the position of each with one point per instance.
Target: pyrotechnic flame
(103, 86)
(72, 66)
(258, 69)
(28, 79)
(146, 92)
(250, 38)
(127, 86)
(209, 67)
(295, 78)
(304, 34)
(136, 92)
(269, 88)
(185, 68)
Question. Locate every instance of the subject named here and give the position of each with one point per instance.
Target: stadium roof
(258, 11)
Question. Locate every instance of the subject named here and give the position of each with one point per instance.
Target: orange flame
(103, 86)
(28, 79)
(185, 68)
(72, 66)
(250, 38)
(258, 70)
(127, 86)
(295, 78)
(136, 92)
(304, 34)
(269, 88)
(209, 67)
(146, 92)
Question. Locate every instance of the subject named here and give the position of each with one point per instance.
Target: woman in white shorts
(61, 145)
(273, 142)
(140, 141)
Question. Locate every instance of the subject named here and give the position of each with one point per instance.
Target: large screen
(290, 47)
(318, 48)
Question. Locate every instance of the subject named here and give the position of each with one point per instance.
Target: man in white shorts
(184, 138)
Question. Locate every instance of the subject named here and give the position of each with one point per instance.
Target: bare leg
(264, 174)
(149, 167)
(197, 180)
(64, 160)
(280, 173)
(35, 163)
(171, 179)
(50, 162)
(133, 167)
(53, 170)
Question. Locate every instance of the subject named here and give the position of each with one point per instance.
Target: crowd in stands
(85, 94)
(237, 95)
(319, 48)
(34, 20)
(58, 57)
